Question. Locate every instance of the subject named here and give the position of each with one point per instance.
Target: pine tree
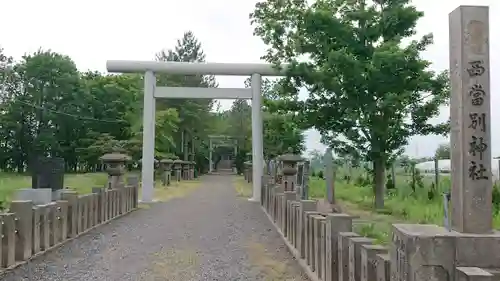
(193, 113)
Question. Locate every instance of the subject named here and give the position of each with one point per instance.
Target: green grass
(82, 183)
(242, 187)
(175, 190)
(401, 204)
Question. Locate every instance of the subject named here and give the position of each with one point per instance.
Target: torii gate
(218, 140)
(151, 92)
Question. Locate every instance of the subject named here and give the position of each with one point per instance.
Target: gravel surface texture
(211, 234)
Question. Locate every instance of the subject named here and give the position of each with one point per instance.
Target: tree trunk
(379, 182)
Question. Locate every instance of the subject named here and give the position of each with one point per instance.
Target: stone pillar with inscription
(470, 246)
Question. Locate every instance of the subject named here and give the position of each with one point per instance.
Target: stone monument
(47, 181)
(47, 172)
(470, 249)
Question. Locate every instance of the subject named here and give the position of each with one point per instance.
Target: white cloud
(92, 32)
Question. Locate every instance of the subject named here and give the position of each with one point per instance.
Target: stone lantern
(193, 169)
(289, 170)
(185, 170)
(250, 171)
(246, 168)
(177, 167)
(115, 167)
(166, 169)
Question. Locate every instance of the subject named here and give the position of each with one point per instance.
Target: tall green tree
(194, 114)
(282, 133)
(240, 124)
(443, 151)
(282, 130)
(50, 109)
(368, 92)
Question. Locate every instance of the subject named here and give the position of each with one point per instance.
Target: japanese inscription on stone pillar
(470, 120)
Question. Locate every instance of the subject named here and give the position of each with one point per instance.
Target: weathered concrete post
(166, 169)
(430, 252)
(23, 211)
(115, 167)
(178, 169)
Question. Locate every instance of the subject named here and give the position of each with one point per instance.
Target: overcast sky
(92, 32)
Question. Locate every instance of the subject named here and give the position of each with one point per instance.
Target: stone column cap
(114, 158)
(290, 157)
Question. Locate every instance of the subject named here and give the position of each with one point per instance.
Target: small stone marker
(305, 182)
(329, 170)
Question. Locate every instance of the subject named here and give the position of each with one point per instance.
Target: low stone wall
(324, 243)
(328, 250)
(29, 230)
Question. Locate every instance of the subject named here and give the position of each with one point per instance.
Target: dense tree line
(49, 108)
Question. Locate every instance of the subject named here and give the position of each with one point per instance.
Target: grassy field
(175, 190)
(401, 204)
(83, 183)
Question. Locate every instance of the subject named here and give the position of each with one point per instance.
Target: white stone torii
(151, 92)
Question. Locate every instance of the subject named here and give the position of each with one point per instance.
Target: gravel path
(209, 235)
